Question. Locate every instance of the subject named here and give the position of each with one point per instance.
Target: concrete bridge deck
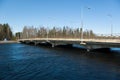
(70, 39)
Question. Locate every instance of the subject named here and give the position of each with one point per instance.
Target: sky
(97, 15)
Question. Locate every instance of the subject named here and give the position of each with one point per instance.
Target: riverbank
(8, 42)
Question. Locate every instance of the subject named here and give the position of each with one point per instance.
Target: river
(25, 62)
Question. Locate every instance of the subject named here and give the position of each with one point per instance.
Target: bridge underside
(87, 45)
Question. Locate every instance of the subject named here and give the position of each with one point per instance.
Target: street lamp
(111, 24)
(81, 15)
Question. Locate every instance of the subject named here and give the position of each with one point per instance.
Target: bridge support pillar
(88, 50)
(89, 47)
(53, 45)
(35, 43)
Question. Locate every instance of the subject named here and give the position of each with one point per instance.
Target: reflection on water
(24, 62)
(115, 49)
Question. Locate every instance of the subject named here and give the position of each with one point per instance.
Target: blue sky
(49, 13)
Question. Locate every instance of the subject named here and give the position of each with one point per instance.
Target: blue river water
(25, 62)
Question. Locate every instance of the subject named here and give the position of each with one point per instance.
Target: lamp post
(111, 24)
(82, 24)
(81, 15)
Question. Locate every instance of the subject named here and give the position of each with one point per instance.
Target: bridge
(89, 44)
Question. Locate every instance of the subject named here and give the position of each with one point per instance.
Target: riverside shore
(8, 42)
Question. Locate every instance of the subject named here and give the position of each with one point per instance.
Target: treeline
(5, 32)
(55, 32)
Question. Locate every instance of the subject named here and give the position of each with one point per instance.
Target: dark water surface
(24, 62)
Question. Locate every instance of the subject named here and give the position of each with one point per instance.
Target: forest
(47, 32)
(54, 32)
(5, 32)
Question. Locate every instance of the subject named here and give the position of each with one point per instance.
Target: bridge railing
(105, 37)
